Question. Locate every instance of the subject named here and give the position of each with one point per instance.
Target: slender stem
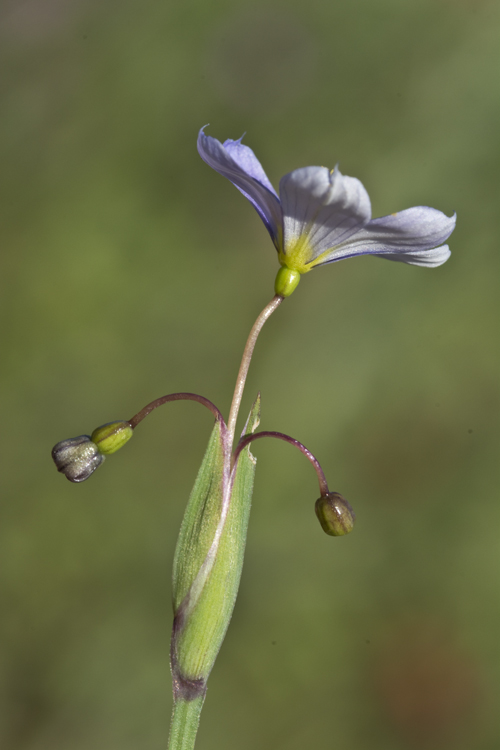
(175, 397)
(323, 486)
(184, 724)
(245, 363)
(186, 713)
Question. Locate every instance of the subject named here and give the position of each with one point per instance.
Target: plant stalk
(186, 713)
(184, 724)
(245, 363)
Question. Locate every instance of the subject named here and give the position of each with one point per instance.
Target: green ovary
(111, 437)
(286, 281)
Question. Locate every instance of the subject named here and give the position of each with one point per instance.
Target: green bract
(209, 559)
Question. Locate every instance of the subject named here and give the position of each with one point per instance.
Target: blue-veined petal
(248, 162)
(239, 164)
(322, 208)
(426, 258)
(413, 236)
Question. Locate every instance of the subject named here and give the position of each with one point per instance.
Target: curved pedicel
(334, 513)
(137, 418)
(244, 441)
(78, 458)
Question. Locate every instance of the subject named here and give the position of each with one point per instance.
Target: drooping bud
(286, 281)
(335, 514)
(110, 437)
(77, 458)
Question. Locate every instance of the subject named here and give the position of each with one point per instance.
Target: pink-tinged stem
(245, 363)
(323, 485)
(176, 397)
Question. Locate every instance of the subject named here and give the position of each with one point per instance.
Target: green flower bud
(286, 281)
(110, 437)
(77, 458)
(335, 514)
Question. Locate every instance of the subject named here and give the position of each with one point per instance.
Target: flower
(77, 458)
(322, 216)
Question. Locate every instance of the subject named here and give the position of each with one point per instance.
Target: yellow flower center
(298, 255)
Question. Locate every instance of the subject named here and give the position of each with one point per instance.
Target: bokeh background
(129, 269)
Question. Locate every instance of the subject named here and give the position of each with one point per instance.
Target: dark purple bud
(335, 514)
(77, 458)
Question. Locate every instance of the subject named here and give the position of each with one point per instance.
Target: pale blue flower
(322, 216)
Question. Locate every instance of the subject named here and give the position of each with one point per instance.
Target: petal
(414, 236)
(324, 207)
(427, 258)
(248, 162)
(239, 164)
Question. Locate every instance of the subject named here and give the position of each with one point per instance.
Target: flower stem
(186, 713)
(323, 485)
(184, 724)
(245, 363)
(137, 418)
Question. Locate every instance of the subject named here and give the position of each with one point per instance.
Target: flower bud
(335, 514)
(110, 437)
(77, 458)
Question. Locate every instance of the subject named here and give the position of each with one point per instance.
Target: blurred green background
(129, 269)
